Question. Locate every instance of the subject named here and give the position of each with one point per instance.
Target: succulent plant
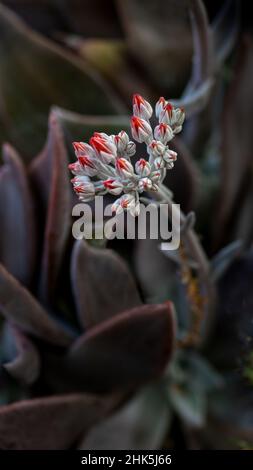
(108, 344)
(88, 337)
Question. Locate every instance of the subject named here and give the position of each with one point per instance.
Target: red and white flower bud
(157, 175)
(81, 148)
(142, 167)
(113, 186)
(76, 169)
(160, 105)
(124, 168)
(172, 116)
(166, 114)
(125, 202)
(141, 107)
(104, 146)
(170, 156)
(128, 202)
(131, 149)
(84, 188)
(125, 147)
(179, 117)
(157, 148)
(88, 165)
(144, 184)
(163, 132)
(159, 163)
(121, 140)
(141, 130)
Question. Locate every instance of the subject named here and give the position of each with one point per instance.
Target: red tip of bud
(162, 100)
(136, 122)
(169, 108)
(78, 146)
(108, 184)
(120, 163)
(142, 162)
(138, 100)
(98, 143)
(85, 161)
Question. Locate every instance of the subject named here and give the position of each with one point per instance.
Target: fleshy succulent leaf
(17, 218)
(199, 87)
(48, 423)
(236, 138)
(19, 306)
(25, 367)
(49, 173)
(233, 333)
(225, 30)
(142, 423)
(128, 350)
(101, 271)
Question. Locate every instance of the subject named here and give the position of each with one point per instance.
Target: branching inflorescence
(104, 165)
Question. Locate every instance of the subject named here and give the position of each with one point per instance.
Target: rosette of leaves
(37, 73)
(76, 339)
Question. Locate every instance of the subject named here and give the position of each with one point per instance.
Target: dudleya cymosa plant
(73, 347)
(104, 167)
(108, 157)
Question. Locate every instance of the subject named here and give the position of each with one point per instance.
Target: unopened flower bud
(157, 175)
(170, 156)
(88, 165)
(142, 167)
(81, 148)
(166, 114)
(179, 120)
(163, 132)
(76, 169)
(141, 130)
(124, 168)
(104, 147)
(131, 149)
(125, 202)
(160, 105)
(84, 188)
(159, 163)
(157, 148)
(121, 140)
(141, 107)
(113, 186)
(144, 184)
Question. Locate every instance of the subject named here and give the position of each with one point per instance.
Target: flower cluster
(104, 165)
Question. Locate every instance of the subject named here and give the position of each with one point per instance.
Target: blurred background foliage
(80, 61)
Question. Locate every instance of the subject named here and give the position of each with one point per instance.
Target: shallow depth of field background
(67, 69)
